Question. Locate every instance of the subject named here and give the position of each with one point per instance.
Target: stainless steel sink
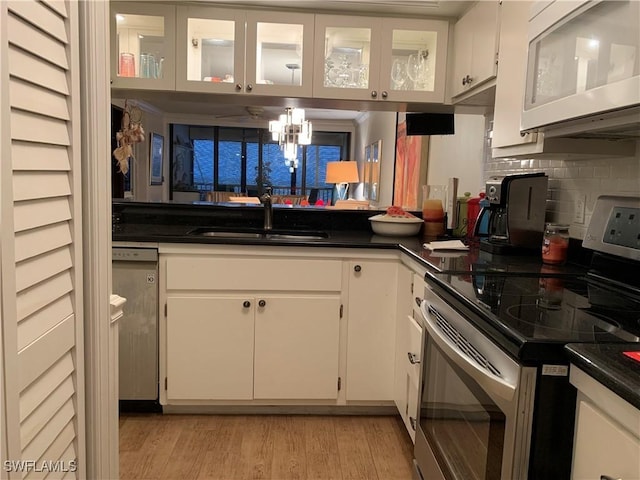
(224, 234)
(296, 236)
(221, 232)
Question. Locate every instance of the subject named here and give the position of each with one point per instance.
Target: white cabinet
(511, 73)
(380, 59)
(210, 347)
(371, 330)
(408, 354)
(243, 326)
(296, 347)
(607, 432)
(254, 52)
(142, 45)
(475, 43)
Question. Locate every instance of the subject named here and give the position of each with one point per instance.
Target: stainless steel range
(496, 402)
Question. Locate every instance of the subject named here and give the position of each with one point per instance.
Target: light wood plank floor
(277, 447)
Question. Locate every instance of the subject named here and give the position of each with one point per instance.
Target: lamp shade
(342, 172)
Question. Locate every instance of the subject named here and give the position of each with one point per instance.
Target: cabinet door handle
(418, 301)
(607, 477)
(413, 358)
(374, 93)
(246, 304)
(249, 87)
(384, 94)
(357, 269)
(412, 421)
(262, 303)
(238, 87)
(467, 80)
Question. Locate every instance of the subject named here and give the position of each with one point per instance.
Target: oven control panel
(615, 226)
(623, 227)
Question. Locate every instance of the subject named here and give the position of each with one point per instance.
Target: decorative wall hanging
(130, 133)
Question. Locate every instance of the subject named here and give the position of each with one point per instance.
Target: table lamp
(342, 174)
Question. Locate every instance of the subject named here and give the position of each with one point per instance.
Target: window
(246, 160)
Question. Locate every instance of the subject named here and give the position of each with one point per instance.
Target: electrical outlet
(578, 213)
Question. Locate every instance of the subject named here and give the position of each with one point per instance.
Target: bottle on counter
(555, 244)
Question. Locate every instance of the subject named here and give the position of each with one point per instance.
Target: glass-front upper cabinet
(584, 58)
(210, 49)
(381, 59)
(142, 45)
(347, 57)
(279, 56)
(413, 60)
(213, 55)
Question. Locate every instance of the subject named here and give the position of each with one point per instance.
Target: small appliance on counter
(514, 217)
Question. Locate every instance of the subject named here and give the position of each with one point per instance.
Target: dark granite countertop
(607, 364)
(171, 223)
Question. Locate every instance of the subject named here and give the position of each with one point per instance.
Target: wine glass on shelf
(398, 73)
(418, 69)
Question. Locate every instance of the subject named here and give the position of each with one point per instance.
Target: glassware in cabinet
(142, 46)
(380, 59)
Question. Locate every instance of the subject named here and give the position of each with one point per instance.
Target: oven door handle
(488, 381)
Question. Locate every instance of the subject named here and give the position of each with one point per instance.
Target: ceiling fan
(251, 114)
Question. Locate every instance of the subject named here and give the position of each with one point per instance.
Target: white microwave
(583, 66)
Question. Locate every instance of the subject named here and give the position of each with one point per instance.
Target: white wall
(460, 155)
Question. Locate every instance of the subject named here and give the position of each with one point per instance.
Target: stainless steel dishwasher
(135, 277)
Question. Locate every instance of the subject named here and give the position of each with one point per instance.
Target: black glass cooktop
(552, 309)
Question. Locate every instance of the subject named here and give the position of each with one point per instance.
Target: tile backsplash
(574, 181)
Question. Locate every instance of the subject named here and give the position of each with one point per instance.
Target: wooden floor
(278, 447)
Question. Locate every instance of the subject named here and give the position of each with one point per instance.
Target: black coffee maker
(515, 213)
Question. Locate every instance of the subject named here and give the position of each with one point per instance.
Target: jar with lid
(555, 243)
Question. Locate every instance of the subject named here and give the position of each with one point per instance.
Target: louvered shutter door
(41, 238)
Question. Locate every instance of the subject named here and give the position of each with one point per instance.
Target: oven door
(469, 412)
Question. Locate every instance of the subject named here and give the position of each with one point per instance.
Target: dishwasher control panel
(134, 254)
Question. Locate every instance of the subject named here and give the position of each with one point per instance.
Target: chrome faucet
(268, 209)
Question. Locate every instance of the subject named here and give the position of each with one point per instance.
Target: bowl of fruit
(396, 223)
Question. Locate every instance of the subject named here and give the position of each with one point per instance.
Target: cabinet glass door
(211, 50)
(347, 51)
(596, 45)
(413, 60)
(279, 55)
(143, 46)
(347, 54)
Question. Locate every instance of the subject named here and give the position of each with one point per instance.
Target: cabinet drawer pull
(262, 303)
(357, 269)
(412, 421)
(607, 477)
(418, 301)
(246, 304)
(413, 358)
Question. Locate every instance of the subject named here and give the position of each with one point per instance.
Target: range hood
(622, 124)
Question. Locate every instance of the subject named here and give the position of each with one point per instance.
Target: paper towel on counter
(446, 245)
